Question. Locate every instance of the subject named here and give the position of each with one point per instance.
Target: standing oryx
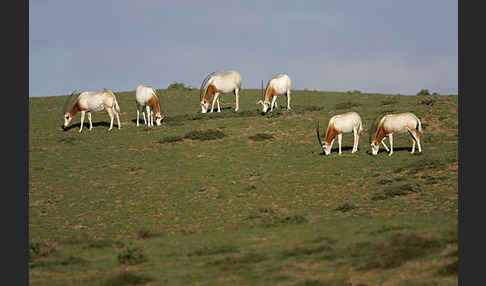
(399, 123)
(93, 101)
(217, 83)
(279, 84)
(146, 96)
(338, 124)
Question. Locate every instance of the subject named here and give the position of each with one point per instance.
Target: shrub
(345, 207)
(346, 105)
(203, 135)
(393, 251)
(428, 101)
(261, 137)
(131, 255)
(127, 278)
(146, 234)
(170, 139)
(38, 249)
(179, 85)
(423, 92)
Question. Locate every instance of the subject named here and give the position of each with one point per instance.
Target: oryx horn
(263, 94)
(203, 84)
(67, 101)
(317, 133)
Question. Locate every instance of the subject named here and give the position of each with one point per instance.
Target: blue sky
(387, 46)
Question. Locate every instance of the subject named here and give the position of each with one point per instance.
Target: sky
(374, 46)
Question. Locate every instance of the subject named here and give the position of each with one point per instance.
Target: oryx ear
(260, 101)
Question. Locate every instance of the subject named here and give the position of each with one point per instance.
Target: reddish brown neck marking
(269, 93)
(380, 133)
(210, 91)
(331, 132)
(154, 104)
(75, 109)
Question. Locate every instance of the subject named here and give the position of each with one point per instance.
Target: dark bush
(261, 137)
(131, 255)
(203, 135)
(170, 139)
(423, 92)
(179, 85)
(346, 105)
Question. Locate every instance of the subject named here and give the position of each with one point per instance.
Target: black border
(471, 76)
(15, 142)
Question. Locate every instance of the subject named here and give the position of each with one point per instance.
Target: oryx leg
(237, 98)
(288, 100)
(274, 99)
(390, 137)
(138, 115)
(118, 119)
(90, 122)
(355, 140)
(340, 140)
(384, 145)
(216, 95)
(149, 116)
(415, 138)
(112, 116)
(217, 102)
(82, 120)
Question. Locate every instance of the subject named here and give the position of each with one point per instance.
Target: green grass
(237, 198)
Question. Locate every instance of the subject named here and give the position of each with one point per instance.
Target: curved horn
(158, 99)
(67, 101)
(203, 85)
(263, 94)
(317, 133)
(373, 128)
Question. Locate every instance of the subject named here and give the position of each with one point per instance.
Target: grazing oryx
(217, 83)
(338, 124)
(279, 84)
(399, 123)
(93, 101)
(146, 96)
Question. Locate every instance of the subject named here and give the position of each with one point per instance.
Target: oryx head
(67, 115)
(202, 93)
(67, 120)
(374, 147)
(158, 118)
(204, 106)
(372, 133)
(265, 103)
(326, 148)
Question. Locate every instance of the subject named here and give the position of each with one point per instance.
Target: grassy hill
(240, 198)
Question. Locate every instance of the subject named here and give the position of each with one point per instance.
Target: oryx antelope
(397, 123)
(89, 101)
(338, 124)
(146, 96)
(279, 84)
(218, 83)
